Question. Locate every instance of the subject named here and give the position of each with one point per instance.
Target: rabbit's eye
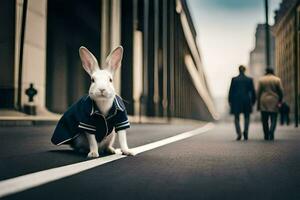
(110, 79)
(92, 80)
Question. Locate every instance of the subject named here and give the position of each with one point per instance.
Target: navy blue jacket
(241, 95)
(84, 116)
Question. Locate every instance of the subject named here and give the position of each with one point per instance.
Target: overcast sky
(226, 35)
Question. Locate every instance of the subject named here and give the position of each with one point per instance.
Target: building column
(137, 61)
(7, 48)
(115, 40)
(149, 58)
(127, 34)
(145, 58)
(105, 33)
(111, 34)
(137, 70)
(165, 57)
(171, 61)
(34, 54)
(297, 65)
(156, 97)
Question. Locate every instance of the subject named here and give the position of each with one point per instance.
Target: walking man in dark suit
(284, 111)
(241, 99)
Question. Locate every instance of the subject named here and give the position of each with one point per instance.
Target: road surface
(210, 165)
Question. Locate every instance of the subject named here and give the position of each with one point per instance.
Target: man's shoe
(266, 137)
(245, 136)
(239, 137)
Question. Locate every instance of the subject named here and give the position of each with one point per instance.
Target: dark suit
(284, 111)
(241, 99)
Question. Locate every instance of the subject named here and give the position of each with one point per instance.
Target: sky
(226, 35)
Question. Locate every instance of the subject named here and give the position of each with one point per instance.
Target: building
(161, 75)
(257, 59)
(287, 40)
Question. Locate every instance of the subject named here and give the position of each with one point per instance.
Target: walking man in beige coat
(269, 95)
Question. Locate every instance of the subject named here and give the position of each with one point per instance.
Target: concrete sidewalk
(16, 118)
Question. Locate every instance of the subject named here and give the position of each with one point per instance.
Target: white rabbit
(102, 94)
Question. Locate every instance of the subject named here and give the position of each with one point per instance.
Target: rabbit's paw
(110, 150)
(93, 154)
(128, 152)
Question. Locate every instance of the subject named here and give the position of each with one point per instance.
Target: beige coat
(269, 94)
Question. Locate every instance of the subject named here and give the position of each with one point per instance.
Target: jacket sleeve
(280, 90)
(122, 121)
(259, 91)
(252, 91)
(231, 91)
(66, 128)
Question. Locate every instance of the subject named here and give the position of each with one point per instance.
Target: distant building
(161, 75)
(257, 60)
(287, 37)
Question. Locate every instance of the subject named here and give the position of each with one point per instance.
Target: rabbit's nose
(102, 90)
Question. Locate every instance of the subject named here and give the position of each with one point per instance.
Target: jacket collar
(92, 107)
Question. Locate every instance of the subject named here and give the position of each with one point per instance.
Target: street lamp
(267, 35)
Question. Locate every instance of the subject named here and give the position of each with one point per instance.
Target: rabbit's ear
(89, 62)
(113, 61)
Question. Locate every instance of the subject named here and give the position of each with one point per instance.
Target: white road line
(175, 138)
(21, 183)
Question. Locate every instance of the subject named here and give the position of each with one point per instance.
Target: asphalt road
(211, 165)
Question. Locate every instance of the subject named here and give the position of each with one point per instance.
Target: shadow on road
(68, 152)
